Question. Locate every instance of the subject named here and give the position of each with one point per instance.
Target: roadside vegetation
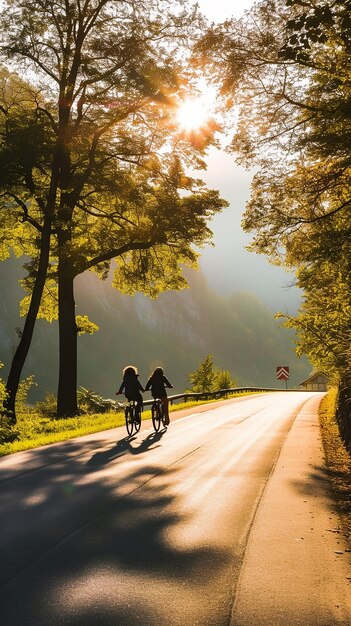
(338, 461)
(207, 377)
(285, 65)
(90, 144)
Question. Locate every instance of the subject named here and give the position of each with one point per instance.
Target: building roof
(313, 376)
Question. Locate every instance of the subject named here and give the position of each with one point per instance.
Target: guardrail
(208, 395)
(221, 393)
(214, 395)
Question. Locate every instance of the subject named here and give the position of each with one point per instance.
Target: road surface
(223, 520)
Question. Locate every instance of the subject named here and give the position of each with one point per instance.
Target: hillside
(177, 331)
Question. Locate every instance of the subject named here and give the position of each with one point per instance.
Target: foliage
(9, 433)
(223, 380)
(323, 322)
(85, 325)
(104, 176)
(34, 430)
(337, 458)
(287, 67)
(2, 391)
(90, 402)
(24, 388)
(209, 378)
(47, 407)
(310, 24)
(203, 378)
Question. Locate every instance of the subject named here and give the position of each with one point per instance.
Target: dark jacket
(131, 387)
(158, 386)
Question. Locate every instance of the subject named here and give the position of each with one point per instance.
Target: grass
(338, 461)
(35, 431)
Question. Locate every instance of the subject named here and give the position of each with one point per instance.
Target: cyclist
(158, 383)
(131, 386)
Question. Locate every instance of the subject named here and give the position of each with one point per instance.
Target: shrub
(48, 406)
(90, 402)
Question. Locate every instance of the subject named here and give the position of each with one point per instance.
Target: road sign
(283, 372)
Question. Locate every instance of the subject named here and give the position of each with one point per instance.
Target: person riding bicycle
(131, 386)
(158, 383)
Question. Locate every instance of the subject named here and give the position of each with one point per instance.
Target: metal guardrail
(221, 393)
(213, 395)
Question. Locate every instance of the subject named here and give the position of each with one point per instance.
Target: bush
(8, 432)
(90, 402)
(208, 378)
(224, 380)
(22, 406)
(48, 406)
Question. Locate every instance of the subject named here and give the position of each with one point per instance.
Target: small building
(318, 381)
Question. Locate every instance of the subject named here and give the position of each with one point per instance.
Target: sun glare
(192, 114)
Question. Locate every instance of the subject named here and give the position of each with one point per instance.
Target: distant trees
(209, 378)
(286, 66)
(95, 163)
(224, 380)
(202, 379)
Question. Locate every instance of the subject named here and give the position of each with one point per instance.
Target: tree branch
(26, 216)
(108, 256)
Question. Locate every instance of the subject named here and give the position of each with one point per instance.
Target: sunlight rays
(193, 113)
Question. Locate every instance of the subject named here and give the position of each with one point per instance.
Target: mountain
(175, 331)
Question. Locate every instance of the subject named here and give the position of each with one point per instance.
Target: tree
(110, 181)
(26, 216)
(223, 380)
(209, 378)
(286, 67)
(203, 378)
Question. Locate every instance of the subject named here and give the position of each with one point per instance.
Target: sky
(229, 267)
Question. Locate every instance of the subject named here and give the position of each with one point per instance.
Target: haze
(228, 266)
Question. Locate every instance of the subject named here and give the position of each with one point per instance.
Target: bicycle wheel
(156, 417)
(129, 420)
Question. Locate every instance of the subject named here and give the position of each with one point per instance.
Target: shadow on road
(125, 445)
(334, 483)
(106, 456)
(81, 547)
(148, 442)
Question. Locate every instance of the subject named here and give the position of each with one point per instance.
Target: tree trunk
(67, 386)
(28, 329)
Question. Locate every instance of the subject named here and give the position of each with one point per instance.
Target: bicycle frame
(132, 417)
(157, 414)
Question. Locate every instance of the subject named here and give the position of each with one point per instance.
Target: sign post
(283, 373)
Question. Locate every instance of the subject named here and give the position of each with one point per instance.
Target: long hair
(129, 371)
(157, 374)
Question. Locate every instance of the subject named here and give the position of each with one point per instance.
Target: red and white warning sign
(283, 372)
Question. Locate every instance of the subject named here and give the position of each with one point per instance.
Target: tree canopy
(209, 378)
(286, 67)
(97, 165)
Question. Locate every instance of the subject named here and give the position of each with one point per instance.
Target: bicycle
(132, 416)
(158, 414)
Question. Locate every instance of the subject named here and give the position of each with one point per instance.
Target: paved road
(224, 520)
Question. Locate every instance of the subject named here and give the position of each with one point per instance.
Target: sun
(192, 114)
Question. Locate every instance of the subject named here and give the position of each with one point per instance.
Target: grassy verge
(338, 461)
(35, 431)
